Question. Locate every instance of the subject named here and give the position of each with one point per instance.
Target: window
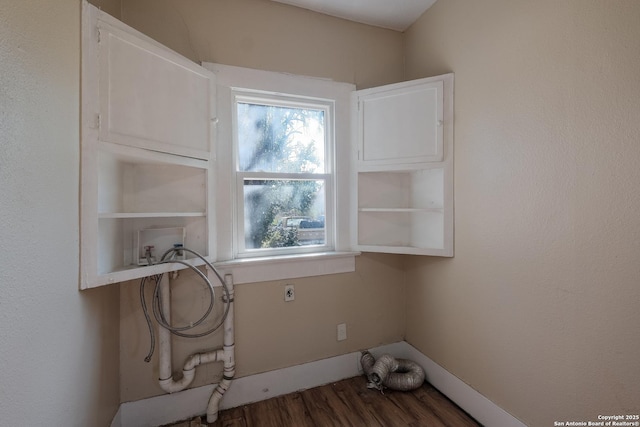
(283, 172)
(282, 194)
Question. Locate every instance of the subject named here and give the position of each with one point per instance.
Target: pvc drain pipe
(228, 358)
(226, 354)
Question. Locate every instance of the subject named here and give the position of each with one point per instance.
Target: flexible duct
(389, 372)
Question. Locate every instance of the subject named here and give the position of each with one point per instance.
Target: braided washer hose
(389, 372)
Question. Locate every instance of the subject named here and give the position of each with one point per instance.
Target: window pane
(280, 139)
(283, 213)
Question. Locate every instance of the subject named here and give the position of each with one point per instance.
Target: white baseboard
(169, 408)
(475, 404)
(117, 419)
(189, 403)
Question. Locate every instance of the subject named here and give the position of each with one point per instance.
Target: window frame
(243, 95)
(336, 259)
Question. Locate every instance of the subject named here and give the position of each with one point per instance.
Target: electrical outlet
(289, 293)
(342, 331)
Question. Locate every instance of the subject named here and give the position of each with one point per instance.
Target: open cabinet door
(144, 94)
(404, 168)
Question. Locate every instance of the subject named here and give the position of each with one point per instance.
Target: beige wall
(112, 7)
(538, 310)
(272, 334)
(269, 333)
(58, 346)
(271, 36)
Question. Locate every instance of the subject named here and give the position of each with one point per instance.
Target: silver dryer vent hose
(389, 372)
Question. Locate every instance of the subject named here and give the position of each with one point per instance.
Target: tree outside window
(281, 164)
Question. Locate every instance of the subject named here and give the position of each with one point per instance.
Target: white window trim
(268, 268)
(283, 267)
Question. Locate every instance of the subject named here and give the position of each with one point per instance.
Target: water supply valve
(148, 254)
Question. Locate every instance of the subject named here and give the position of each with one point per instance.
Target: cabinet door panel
(401, 124)
(149, 96)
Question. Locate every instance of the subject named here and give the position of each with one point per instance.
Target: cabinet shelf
(404, 228)
(124, 153)
(402, 249)
(133, 271)
(417, 210)
(124, 215)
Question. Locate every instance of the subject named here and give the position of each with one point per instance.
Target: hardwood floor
(346, 403)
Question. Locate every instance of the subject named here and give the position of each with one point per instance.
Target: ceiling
(394, 14)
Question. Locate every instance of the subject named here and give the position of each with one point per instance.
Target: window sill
(251, 270)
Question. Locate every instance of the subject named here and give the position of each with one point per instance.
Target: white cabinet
(147, 141)
(147, 158)
(403, 179)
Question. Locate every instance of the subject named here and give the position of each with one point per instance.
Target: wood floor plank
(423, 416)
(231, 418)
(351, 393)
(325, 407)
(356, 413)
(349, 403)
(294, 411)
(263, 414)
(444, 408)
(386, 411)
